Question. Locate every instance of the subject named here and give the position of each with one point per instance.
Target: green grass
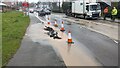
(14, 25)
(0, 39)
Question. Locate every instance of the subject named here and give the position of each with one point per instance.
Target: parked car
(47, 11)
(41, 12)
(31, 10)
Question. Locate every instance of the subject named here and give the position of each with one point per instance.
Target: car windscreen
(94, 7)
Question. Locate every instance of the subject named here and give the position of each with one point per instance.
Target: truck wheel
(75, 16)
(84, 16)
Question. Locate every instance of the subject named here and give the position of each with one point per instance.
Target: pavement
(109, 19)
(33, 53)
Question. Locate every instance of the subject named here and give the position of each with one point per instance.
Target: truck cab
(92, 10)
(86, 9)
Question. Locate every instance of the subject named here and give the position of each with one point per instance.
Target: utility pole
(59, 5)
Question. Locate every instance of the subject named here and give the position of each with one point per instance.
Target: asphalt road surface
(32, 53)
(104, 49)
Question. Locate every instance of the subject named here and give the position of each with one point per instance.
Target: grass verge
(14, 25)
(0, 39)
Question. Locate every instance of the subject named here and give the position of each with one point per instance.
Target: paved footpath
(32, 53)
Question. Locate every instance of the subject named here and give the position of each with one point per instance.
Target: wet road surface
(104, 49)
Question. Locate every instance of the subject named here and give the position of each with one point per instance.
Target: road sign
(25, 4)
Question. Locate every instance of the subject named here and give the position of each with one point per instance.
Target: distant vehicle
(47, 11)
(41, 12)
(20, 9)
(85, 9)
(38, 9)
(35, 9)
(31, 10)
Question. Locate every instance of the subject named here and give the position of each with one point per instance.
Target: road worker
(114, 13)
(105, 12)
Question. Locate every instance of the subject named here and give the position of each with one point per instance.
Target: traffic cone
(56, 25)
(70, 38)
(48, 21)
(62, 27)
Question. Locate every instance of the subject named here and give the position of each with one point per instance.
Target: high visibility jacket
(106, 10)
(114, 12)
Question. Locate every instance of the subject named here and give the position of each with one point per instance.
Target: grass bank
(14, 25)
(0, 39)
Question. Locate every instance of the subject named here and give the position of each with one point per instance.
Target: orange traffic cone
(62, 27)
(56, 25)
(70, 38)
(48, 21)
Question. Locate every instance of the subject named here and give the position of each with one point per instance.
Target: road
(89, 49)
(109, 29)
(103, 48)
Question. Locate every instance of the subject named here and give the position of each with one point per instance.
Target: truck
(84, 8)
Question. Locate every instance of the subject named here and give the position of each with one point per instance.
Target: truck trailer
(85, 8)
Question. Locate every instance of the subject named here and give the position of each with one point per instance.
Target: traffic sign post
(25, 7)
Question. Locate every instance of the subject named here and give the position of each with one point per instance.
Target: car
(47, 11)
(41, 12)
(31, 10)
(35, 9)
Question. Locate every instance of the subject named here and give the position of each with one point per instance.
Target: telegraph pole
(59, 5)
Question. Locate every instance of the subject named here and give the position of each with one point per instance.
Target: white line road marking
(40, 19)
(115, 41)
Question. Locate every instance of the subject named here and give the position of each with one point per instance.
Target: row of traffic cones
(56, 25)
(62, 29)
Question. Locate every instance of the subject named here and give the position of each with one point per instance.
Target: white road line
(40, 19)
(115, 41)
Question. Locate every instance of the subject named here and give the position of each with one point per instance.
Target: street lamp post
(59, 5)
